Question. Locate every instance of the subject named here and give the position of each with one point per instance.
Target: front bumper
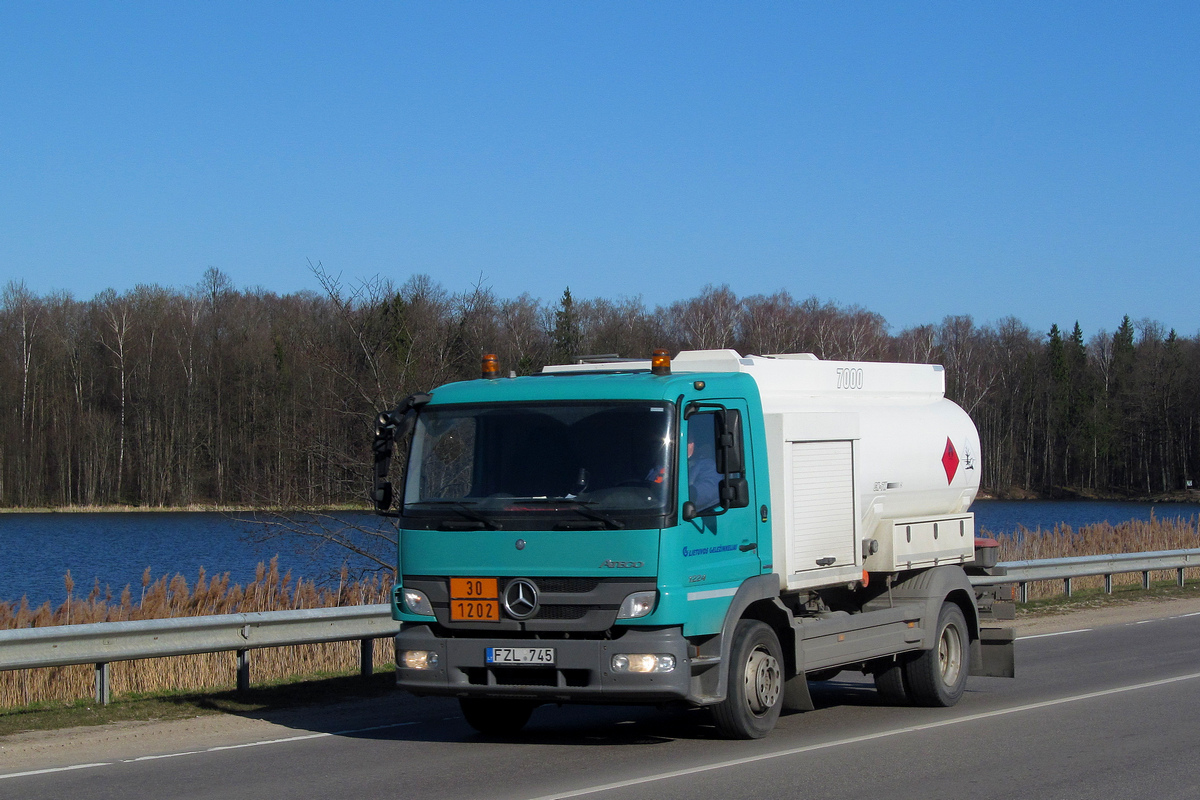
(582, 672)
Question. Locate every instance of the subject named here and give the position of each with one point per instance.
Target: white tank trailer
(878, 468)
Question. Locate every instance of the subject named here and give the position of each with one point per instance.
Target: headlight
(638, 604)
(417, 603)
(417, 659)
(643, 662)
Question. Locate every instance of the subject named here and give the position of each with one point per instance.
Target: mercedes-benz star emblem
(521, 599)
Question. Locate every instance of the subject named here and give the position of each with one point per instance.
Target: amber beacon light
(660, 362)
(490, 367)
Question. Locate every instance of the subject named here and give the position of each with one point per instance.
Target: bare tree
(771, 323)
(708, 322)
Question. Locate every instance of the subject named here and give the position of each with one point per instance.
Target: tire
(889, 683)
(754, 696)
(938, 677)
(496, 717)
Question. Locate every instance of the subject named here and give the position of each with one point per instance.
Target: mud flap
(795, 694)
(992, 654)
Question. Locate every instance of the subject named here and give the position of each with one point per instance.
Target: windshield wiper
(579, 506)
(462, 507)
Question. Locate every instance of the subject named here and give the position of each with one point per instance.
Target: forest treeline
(214, 395)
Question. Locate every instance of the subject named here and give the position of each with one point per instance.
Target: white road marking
(737, 762)
(55, 769)
(215, 749)
(1060, 633)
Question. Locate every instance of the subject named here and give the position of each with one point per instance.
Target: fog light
(417, 603)
(643, 662)
(418, 659)
(638, 604)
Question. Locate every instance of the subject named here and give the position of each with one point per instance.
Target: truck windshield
(590, 462)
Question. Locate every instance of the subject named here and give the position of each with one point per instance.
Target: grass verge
(300, 691)
(1096, 598)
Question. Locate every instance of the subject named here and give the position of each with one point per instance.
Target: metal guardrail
(104, 642)
(1023, 573)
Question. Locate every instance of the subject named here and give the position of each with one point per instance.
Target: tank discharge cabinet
(715, 530)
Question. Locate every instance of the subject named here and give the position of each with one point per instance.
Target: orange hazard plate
(474, 600)
(474, 610)
(473, 589)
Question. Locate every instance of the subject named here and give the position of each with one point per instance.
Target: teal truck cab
(714, 531)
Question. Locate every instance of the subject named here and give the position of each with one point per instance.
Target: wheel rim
(950, 654)
(764, 681)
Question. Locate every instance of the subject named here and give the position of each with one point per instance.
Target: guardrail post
(1067, 586)
(103, 693)
(243, 670)
(1179, 578)
(1146, 580)
(366, 656)
(1108, 584)
(1024, 592)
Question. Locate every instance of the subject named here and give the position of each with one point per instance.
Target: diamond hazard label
(950, 460)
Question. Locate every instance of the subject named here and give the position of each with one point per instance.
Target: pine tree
(566, 334)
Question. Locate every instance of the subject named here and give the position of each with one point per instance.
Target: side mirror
(390, 426)
(735, 492)
(689, 511)
(730, 455)
(382, 495)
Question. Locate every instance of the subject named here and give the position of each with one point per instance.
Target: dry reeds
(269, 591)
(173, 597)
(1134, 536)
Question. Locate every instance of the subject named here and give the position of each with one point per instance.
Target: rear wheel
(754, 696)
(496, 717)
(938, 677)
(889, 682)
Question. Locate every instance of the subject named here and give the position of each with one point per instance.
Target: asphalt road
(1105, 712)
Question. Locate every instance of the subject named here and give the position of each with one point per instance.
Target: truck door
(721, 543)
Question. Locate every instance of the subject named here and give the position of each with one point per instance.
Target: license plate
(536, 656)
(474, 610)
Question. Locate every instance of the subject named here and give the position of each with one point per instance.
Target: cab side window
(703, 478)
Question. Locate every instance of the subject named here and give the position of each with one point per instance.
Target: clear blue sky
(917, 159)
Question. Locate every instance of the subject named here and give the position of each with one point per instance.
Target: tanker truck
(712, 530)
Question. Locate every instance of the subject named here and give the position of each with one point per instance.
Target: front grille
(567, 585)
(567, 603)
(562, 612)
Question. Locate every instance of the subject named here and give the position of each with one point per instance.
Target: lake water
(36, 550)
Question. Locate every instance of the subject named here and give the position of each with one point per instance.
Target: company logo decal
(688, 552)
(950, 461)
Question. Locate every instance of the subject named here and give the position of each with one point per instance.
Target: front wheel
(938, 677)
(754, 696)
(496, 717)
